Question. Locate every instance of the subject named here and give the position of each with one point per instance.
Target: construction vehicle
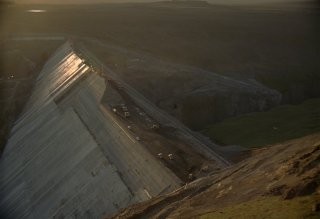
(191, 177)
(154, 126)
(124, 108)
(121, 110)
(126, 114)
(205, 169)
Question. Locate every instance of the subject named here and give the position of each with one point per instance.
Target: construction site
(96, 144)
(170, 109)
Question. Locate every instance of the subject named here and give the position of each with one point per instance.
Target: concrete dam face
(66, 156)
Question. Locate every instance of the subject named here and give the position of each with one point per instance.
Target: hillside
(111, 121)
(277, 47)
(265, 128)
(279, 182)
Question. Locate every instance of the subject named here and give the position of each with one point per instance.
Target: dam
(67, 157)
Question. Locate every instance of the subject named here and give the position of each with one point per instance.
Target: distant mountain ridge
(228, 2)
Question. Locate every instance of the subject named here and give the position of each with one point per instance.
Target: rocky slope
(282, 181)
(195, 96)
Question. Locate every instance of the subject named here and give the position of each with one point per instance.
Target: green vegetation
(260, 129)
(268, 207)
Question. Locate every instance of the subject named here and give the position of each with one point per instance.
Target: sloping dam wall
(67, 157)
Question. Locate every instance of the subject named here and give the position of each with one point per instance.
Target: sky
(105, 1)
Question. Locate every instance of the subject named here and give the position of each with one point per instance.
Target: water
(37, 11)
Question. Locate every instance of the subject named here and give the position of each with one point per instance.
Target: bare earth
(284, 173)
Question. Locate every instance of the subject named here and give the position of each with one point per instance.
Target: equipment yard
(94, 146)
(160, 140)
(157, 131)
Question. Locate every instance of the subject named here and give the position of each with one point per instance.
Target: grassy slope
(260, 129)
(267, 207)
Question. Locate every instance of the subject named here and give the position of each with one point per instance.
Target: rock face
(195, 96)
(215, 102)
(204, 97)
(198, 97)
(290, 170)
(213, 105)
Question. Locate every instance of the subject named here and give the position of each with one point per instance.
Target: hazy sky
(102, 1)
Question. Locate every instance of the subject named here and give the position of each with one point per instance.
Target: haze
(159, 109)
(121, 1)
